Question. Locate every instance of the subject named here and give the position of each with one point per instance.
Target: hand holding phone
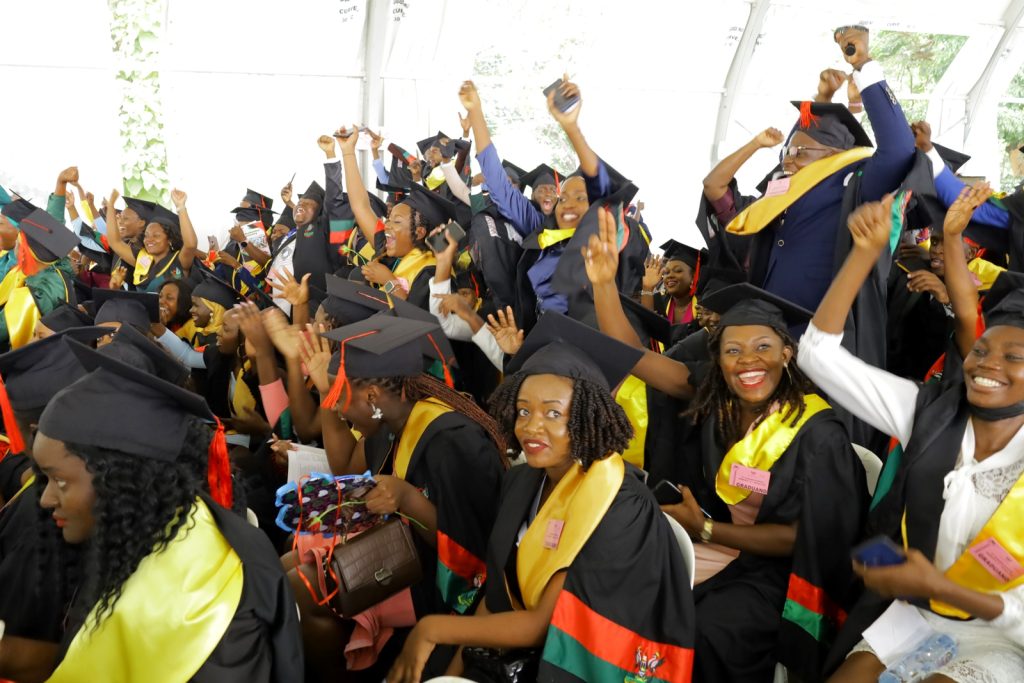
(561, 101)
(439, 242)
(879, 551)
(667, 493)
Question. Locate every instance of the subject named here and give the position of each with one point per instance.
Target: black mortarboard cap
(92, 411)
(677, 251)
(251, 215)
(831, 124)
(314, 192)
(18, 209)
(287, 218)
(745, 304)
(436, 209)
(651, 324)
(715, 279)
(952, 158)
(214, 289)
(542, 175)
(434, 346)
(157, 360)
(467, 279)
(258, 200)
(132, 308)
(559, 345)
(1004, 303)
(87, 246)
(447, 150)
(351, 302)
(166, 217)
(142, 208)
(515, 174)
(48, 238)
(66, 316)
(35, 372)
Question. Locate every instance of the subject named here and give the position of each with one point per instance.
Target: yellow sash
(761, 448)
(410, 265)
(421, 416)
(758, 215)
(967, 571)
(549, 237)
(632, 396)
(141, 271)
(172, 613)
(242, 398)
(12, 280)
(21, 315)
(579, 501)
(985, 271)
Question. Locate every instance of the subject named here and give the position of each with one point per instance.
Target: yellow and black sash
(632, 396)
(144, 264)
(552, 236)
(577, 504)
(761, 213)
(761, 448)
(152, 638)
(410, 265)
(421, 417)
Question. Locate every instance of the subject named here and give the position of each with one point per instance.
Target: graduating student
(775, 537)
(133, 492)
(798, 235)
(435, 455)
(582, 566)
(680, 275)
(40, 280)
(954, 504)
(167, 245)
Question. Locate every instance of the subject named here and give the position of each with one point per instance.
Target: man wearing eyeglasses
(797, 228)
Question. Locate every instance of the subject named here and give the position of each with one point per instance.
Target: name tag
(144, 261)
(749, 478)
(553, 533)
(996, 560)
(777, 187)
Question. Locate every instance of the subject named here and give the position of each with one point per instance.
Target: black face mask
(995, 414)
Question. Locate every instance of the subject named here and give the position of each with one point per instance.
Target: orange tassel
(696, 277)
(444, 365)
(218, 469)
(558, 183)
(14, 437)
(26, 259)
(806, 117)
(341, 379)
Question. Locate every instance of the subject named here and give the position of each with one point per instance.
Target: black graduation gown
(11, 469)
(630, 572)
(740, 611)
(917, 329)
(476, 374)
(496, 248)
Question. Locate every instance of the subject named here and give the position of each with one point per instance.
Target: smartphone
(666, 493)
(562, 102)
(879, 551)
(439, 242)
(213, 243)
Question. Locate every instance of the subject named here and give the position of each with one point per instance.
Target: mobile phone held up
(666, 493)
(879, 551)
(439, 242)
(562, 103)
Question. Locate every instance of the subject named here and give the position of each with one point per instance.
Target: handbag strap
(324, 564)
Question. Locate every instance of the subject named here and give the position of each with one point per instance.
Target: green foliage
(915, 62)
(135, 29)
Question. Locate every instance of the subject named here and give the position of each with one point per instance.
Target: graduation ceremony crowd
(556, 452)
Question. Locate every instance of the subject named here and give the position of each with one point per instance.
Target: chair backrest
(872, 466)
(685, 546)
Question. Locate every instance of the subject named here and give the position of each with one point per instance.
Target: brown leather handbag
(372, 567)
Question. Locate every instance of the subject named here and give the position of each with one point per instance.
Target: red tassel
(14, 437)
(806, 117)
(26, 259)
(696, 277)
(447, 373)
(218, 470)
(558, 184)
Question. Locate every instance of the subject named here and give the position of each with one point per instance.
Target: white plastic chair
(872, 466)
(685, 546)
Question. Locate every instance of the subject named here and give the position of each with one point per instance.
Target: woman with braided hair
(437, 459)
(772, 571)
(582, 566)
(174, 586)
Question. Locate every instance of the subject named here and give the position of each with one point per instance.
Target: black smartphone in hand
(667, 493)
(439, 242)
(562, 103)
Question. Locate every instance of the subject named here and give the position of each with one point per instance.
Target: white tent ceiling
(668, 87)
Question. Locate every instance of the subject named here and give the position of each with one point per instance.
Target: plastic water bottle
(935, 652)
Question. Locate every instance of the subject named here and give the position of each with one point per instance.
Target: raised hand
(652, 272)
(465, 124)
(117, 277)
(769, 137)
(68, 175)
(859, 39)
(601, 255)
(251, 324)
(179, 198)
(870, 225)
(286, 195)
(236, 233)
(468, 96)
(347, 138)
(293, 291)
(922, 135)
(959, 213)
(326, 143)
(114, 194)
(375, 141)
(568, 90)
(829, 81)
(315, 353)
(283, 335)
(505, 331)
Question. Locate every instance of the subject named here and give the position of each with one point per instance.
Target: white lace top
(973, 490)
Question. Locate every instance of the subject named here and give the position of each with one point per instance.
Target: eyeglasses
(798, 150)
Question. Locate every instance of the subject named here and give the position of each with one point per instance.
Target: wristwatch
(705, 533)
(389, 286)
